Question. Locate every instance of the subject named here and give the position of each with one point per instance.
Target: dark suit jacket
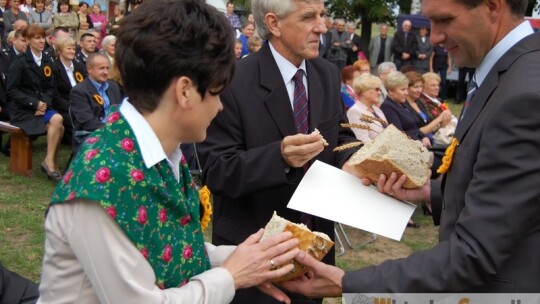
(403, 118)
(27, 85)
(241, 156)
(86, 113)
(353, 56)
(400, 46)
(490, 197)
(5, 61)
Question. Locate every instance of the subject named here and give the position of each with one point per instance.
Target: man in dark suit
(356, 45)
(488, 202)
(254, 155)
(404, 45)
(91, 100)
(380, 49)
(88, 44)
(59, 32)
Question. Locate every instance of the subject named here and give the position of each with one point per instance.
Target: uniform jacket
(28, 84)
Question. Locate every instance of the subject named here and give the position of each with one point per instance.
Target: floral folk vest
(158, 214)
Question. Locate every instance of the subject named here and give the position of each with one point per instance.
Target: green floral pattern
(158, 214)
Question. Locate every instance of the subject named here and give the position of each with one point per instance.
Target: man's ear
(183, 86)
(495, 8)
(272, 22)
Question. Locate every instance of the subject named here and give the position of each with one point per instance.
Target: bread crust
(372, 169)
(311, 243)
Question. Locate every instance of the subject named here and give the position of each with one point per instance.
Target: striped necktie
(300, 104)
(470, 94)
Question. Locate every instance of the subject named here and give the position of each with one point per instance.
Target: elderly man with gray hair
(108, 48)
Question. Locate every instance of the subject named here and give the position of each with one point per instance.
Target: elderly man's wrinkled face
(406, 26)
(297, 36)
(340, 26)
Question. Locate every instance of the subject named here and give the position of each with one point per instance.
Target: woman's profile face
(400, 93)
(415, 90)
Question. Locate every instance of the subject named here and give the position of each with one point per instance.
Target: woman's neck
(66, 62)
(366, 102)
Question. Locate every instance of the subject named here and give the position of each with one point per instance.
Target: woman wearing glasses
(365, 111)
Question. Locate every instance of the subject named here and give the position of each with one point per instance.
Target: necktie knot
(299, 76)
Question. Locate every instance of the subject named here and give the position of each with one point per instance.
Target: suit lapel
(38, 70)
(315, 95)
(93, 91)
(277, 101)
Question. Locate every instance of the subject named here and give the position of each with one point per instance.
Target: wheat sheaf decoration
(204, 198)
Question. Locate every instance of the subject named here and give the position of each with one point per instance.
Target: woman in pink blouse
(99, 21)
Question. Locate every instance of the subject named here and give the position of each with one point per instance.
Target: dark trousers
(442, 73)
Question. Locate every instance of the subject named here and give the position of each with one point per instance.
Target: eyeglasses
(377, 89)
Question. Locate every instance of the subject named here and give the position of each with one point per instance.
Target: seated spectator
(435, 107)
(108, 48)
(255, 43)
(348, 74)
(363, 65)
(368, 89)
(395, 110)
(55, 34)
(131, 233)
(91, 100)
(237, 49)
(88, 44)
(30, 89)
(68, 72)
(383, 70)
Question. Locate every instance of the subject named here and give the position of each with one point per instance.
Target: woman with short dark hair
(30, 89)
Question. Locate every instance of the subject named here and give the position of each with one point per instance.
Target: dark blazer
(5, 61)
(242, 156)
(27, 85)
(62, 88)
(402, 117)
(488, 203)
(400, 46)
(86, 113)
(353, 56)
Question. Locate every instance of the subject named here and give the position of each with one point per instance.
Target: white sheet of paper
(334, 194)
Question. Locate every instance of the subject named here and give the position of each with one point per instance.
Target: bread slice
(393, 151)
(317, 244)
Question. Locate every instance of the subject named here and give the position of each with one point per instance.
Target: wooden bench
(20, 161)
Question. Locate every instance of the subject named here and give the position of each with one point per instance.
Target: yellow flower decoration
(204, 198)
(79, 77)
(98, 99)
(448, 156)
(47, 71)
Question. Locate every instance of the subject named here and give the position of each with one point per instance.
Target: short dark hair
(61, 2)
(167, 39)
(60, 29)
(517, 7)
(32, 31)
(83, 3)
(86, 35)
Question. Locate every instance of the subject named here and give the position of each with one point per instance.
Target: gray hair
(396, 79)
(281, 8)
(385, 66)
(108, 40)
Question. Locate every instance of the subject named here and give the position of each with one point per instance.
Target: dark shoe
(426, 209)
(54, 175)
(412, 224)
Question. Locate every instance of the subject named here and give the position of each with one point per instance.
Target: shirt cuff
(218, 284)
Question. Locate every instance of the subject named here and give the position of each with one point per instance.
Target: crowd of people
(124, 222)
(45, 57)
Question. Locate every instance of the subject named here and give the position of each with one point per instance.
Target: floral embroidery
(79, 77)
(47, 71)
(448, 156)
(159, 214)
(98, 99)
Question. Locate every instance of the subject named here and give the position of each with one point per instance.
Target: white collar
(513, 37)
(286, 68)
(36, 58)
(151, 149)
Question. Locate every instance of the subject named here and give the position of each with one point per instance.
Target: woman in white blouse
(365, 111)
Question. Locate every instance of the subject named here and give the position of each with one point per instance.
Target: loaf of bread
(317, 244)
(393, 151)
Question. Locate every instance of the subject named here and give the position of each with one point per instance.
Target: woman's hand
(445, 117)
(254, 262)
(426, 142)
(42, 107)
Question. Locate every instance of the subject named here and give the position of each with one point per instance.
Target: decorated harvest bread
(393, 151)
(317, 244)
